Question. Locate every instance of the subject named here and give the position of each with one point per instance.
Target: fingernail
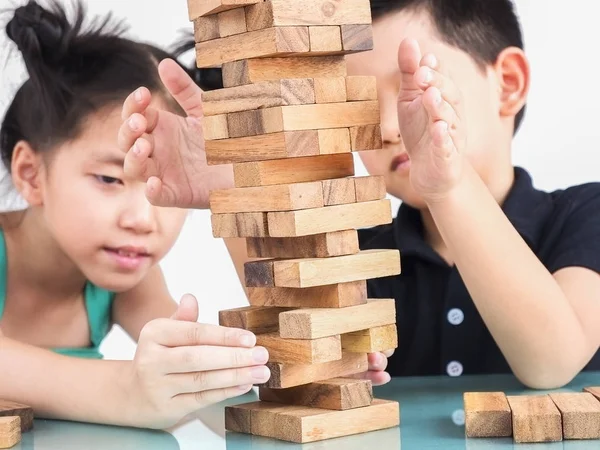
(133, 124)
(247, 340)
(260, 355)
(136, 149)
(138, 95)
(428, 76)
(260, 373)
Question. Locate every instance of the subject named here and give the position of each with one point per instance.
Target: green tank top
(98, 303)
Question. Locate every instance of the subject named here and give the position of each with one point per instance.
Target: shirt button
(454, 369)
(456, 316)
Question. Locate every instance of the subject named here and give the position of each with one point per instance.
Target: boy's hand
(167, 150)
(182, 366)
(431, 123)
(377, 365)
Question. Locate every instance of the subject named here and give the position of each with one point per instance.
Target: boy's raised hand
(167, 150)
(431, 123)
(181, 366)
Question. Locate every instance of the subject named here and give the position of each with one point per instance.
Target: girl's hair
(73, 73)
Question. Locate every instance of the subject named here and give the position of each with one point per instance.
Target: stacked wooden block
(15, 419)
(533, 418)
(288, 119)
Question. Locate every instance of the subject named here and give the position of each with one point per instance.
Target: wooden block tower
(288, 119)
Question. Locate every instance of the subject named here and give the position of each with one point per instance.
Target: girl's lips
(400, 162)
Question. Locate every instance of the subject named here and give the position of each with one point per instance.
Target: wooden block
(289, 144)
(330, 90)
(302, 425)
(206, 28)
(337, 394)
(316, 323)
(282, 41)
(535, 418)
(10, 431)
(366, 137)
(580, 413)
(281, 197)
(265, 94)
(358, 38)
(259, 274)
(308, 272)
(326, 39)
(361, 88)
(232, 22)
(277, 13)
(25, 412)
(334, 140)
(290, 375)
(595, 391)
(339, 295)
(339, 191)
(250, 71)
(372, 340)
(329, 218)
(487, 414)
(199, 8)
(239, 225)
(215, 127)
(257, 319)
(255, 122)
(297, 170)
(315, 246)
(300, 351)
(370, 188)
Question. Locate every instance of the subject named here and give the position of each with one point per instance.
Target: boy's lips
(128, 257)
(401, 161)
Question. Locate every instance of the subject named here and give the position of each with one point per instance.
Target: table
(431, 418)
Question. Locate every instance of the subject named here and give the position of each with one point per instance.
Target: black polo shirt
(440, 330)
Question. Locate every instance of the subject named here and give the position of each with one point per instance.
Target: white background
(558, 142)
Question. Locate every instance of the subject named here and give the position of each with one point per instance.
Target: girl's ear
(27, 172)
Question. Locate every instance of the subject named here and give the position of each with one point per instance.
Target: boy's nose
(390, 128)
(138, 216)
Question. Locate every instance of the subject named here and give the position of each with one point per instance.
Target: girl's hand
(182, 366)
(431, 123)
(166, 150)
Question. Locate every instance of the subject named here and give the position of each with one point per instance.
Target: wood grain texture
(337, 394)
(370, 188)
(339, 191)
(250, 71)
(300, 351)
(330, 89)
(296, 170)
(487, 414)
(327, 39)
(257, 319)
(535, 418)
(331, 296)
(366, 137)
(259, 274)
(199, 8)
(315, 323)
(315, 246)
(300, 424)
(334, 140)
(329, 218)
(206, 28)
(580, 413)
(25, 412)
(10, 431)
(372, 340)
(239, 225)
(290, 375)
(357, 38)
(215, 128)
(361, 88)
(595, 391)
(232, 22)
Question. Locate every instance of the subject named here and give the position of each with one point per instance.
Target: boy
(497, 276)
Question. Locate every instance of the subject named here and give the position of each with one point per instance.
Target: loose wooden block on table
(300, 351)
(487, 414)
(257, 319)
(290, 375)
(315, 246)
(360, 88)
(595, 391)
(10, 431)
(199, 8)
(301, 424)
(314, 323)
(340, 295)
(535, 418)
(25, 412)
(239, 225)
(329, 218)
(266, 94)
(296, 170)
(249, 71)
(337, 393)
(376, 339)
(580, 413)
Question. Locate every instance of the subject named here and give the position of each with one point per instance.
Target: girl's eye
(107, 180)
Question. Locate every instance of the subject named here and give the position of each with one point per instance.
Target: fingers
(409, 56)
(378, 378)
(197, 400)
(438, 108)
(130, 130)
(203, 358)
(187, 383)
(388, 353)
(187, 309)
(377, 361)
(430, 74)
(183, 89)
(138, 163)
(136, 102)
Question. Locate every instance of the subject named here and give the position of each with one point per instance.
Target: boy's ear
(512, 69)
(27, 172)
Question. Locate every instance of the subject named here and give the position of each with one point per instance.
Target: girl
(85, 253)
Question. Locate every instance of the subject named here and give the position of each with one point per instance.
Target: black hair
(73, 73)
(480, 28)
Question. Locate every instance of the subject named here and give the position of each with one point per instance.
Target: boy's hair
(480, 28)
(73, 73)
